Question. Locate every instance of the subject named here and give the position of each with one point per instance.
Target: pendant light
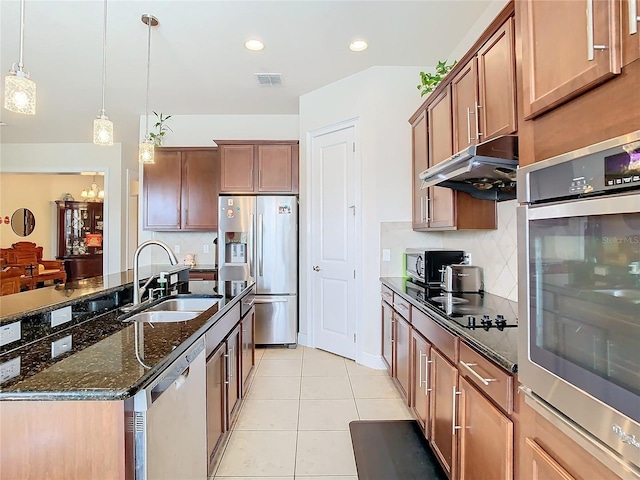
(19, 89)
(102, 126)
(146, 148)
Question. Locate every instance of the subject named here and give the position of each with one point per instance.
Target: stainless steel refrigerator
(258, 238)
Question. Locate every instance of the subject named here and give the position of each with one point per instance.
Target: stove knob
(500, 321)
(486, 322)
(471, 321)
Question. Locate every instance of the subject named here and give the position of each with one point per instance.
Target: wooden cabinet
(420, 386)
(544, 466)
(630, 26)
(485, 437)
(444, 398)
(248, 326)
(234, 373)
(387, 335)
(216, 398)
(568, 47)
(497, 113)
(180, 190)
(402, 339)
(420, 161)
(80, 238)
(465, 105)
(258, 167)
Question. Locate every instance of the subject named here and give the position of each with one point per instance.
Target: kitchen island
(71, 394)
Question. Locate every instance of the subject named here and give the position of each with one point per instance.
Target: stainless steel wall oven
(579, 292)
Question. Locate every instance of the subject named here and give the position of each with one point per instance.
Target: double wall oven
(579, 292)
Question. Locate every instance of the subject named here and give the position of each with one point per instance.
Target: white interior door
(332, 240)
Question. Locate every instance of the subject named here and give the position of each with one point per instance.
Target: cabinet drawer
(435, 334)
(495, 382)
(402, 307)
(387, 294)
(204, 275)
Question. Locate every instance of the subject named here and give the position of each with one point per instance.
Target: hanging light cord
(149, 21)
(20, 64)
(104, 55)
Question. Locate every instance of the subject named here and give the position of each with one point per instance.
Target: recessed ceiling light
(358, 45)
(254, 45)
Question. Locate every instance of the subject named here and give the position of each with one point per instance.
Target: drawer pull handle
(454, 427)
(476, 374)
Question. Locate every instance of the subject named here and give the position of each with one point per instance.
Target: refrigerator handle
(250, 258)
(261, 245)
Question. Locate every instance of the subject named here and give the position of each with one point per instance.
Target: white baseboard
(372, 361)
(303, 339)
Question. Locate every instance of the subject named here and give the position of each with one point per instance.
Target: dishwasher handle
(176, 374)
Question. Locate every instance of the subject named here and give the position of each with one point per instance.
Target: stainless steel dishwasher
(170, 421)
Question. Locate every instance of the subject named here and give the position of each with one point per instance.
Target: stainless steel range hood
(486, 171)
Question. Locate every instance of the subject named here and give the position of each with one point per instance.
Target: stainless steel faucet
(137, 290)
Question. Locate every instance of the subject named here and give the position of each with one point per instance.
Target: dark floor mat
(393, 449)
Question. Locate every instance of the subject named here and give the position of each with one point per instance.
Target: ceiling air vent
(269, 79)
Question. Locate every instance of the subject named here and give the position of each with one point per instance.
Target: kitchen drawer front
(435, 334)
(387, 294)
(402, 307)
(495, 382)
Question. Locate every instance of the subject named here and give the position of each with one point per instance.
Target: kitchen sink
(627, 294)
(162, 316)
(198, 304)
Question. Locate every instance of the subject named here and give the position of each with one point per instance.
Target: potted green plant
(161, 129)
(429, 81)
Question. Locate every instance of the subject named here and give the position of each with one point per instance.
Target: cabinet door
(402, 339)
(544, 466)
(420, 364)
(443, 407)
(630, 26)
(199, 190)
(479, 420)
(440, 128)
(274, 168)
(497, 84)
(420, 163)
(569, 46)
(387, 336)
(464, 97)
(162, 182)
(216, 413)
(236, 168)
(234, 373)
(248, 347)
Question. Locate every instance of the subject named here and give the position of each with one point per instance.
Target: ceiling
(199, 64)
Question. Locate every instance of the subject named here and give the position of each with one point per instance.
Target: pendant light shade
(146, 149)
(102, 126)
(19, 89)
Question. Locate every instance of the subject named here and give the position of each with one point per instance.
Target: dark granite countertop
(499, 346)
(102, 363)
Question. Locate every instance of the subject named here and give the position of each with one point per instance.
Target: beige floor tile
(373, 387)
(326, 414)
(355, 369)
(265, 453)
(268, 415)
(383, 409)
(319, 388)
(275, 388)
(279, 368)
(318, 354)
(259, 354)
(325, 453)
(326, 477)
(330, 367)
(269, 478)
(283, 353)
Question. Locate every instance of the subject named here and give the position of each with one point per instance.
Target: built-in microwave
(579, 295)
(426, 266)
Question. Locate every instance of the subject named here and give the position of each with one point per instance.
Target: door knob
(316, 268)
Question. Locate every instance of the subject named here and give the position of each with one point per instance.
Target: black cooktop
(469, 310)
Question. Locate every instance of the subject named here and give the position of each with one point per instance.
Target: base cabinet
(402, 338)
(485, 437)
(387, 336)
(420, 386)
(216, 401)
(248, 326)
(234, 373)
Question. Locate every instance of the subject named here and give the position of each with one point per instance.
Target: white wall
(74, 158)
(383, 99)
(202, 130)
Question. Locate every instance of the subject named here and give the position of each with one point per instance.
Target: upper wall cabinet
(483, 92)
(181, 190)
(630, 23)
(568, 47)
(258, 167)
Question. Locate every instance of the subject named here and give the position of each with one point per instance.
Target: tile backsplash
(190, 242)
(493, 250)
